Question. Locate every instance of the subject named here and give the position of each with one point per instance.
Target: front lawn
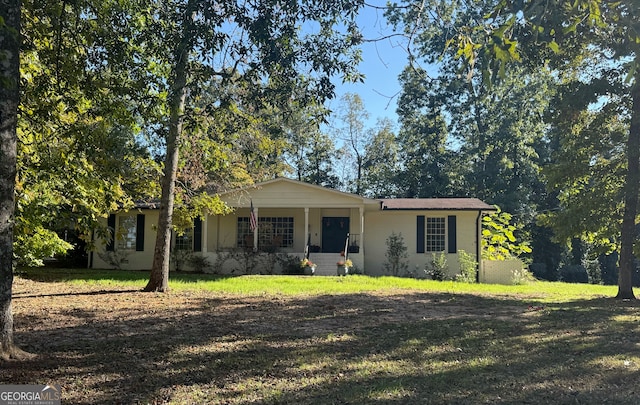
(322, 340)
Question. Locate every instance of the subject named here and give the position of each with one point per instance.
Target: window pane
(127, 232)
(244, 233)
(435, 234)
(272, 231)
(185, 241)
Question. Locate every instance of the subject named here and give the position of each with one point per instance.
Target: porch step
(325, 263)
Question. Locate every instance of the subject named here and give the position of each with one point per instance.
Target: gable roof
(464, 204)
(272, 193)
(298, 193)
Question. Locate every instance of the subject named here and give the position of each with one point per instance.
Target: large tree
(9, 100)
(266, 47)
(75, 155)
(570, 31)
(483, 137)
(79, 149)
(589, 119)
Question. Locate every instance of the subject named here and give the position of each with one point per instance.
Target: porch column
(255, 231)
(306, 227)
(205, 231)
(361, 229)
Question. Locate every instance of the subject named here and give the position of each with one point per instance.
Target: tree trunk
(631, 190)
(159, 279)
(9, 99)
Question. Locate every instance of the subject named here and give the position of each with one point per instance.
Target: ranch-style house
(304, 220)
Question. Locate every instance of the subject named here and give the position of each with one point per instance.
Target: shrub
(593, 271)
(290, 265)
(574, 273)
(221, 258)
(468, 267)
(198, 263)
(114, 258)
(609, 268)
(437, 267)
(180, 259)
(522, 277)
(396, 254)
(539, 270)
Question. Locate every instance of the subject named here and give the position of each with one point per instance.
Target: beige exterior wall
(293, 194)
(308, 205)
(131, 259)
(380, 225)
(501, 271)
(222, 230)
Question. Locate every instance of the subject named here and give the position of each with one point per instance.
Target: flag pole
(253, 224)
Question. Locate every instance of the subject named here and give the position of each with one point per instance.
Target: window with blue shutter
(197, 235)
(111, 225)
(420, 228)
(140, 233)
(452, 234)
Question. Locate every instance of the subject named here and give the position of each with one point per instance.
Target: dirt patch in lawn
(123, 346)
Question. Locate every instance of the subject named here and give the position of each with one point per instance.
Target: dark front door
(334, 234)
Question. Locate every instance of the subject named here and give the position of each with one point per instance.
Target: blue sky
(382, 63)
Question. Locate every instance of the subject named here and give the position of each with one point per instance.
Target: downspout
(90, 258)
(479, 246)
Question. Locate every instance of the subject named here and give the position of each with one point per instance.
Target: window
(435, 234)
(244, 230)
(127, 235)
(272, 231)
(185, 241)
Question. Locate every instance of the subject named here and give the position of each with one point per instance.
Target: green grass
(256, 285)
(250, 340)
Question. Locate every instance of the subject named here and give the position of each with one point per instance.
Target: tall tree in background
(381, 167)
(258, 47)
(590, 121)
(79, 156)
(493, 130)
(320, 162)
(572, 30)
(423, 138)
(351, 130)
(300, 127)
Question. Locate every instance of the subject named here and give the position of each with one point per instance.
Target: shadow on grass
(404, 348)
(17, 296)
(53, 274)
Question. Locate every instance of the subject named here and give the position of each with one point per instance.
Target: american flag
(253, 221)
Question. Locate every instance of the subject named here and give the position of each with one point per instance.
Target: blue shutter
(453, 236)
(111, 225)
(140, 233)
(197, 235)
(420, 242)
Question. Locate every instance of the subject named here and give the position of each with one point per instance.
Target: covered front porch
(320, 234)
(291, 217)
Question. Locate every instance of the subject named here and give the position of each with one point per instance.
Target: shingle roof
(150, 205)
(473, 204)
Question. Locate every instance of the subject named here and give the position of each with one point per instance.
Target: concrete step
(325, 263)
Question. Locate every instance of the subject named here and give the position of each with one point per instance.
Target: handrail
(346, 247)
(307, 249)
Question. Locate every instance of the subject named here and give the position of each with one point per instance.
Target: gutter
(479, 245)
